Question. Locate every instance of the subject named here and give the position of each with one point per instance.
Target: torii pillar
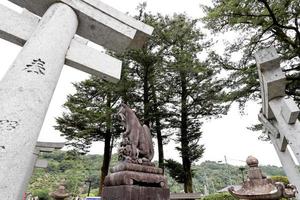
(27, 88)
(279, 114)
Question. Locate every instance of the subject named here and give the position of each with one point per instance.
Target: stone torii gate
(45, 147)
(279, 114)
(59, 37)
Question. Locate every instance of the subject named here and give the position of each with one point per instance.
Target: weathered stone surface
(16, 28)
(133, 178)
(279, 115)
(46, 147)
(99, 23)
(290, 131)
(25, 93)
(133, 192)
(54, 145)
(279, 139)
(91, 61)
(272, 79)
(60, 193)
(268, 126)
(27, 88)
(259, 187)
(136, 178)
(267, 58)
(41, 163)
(289, 110)
(288, 164)
(79, 55)
(124, 166)
(136, 145)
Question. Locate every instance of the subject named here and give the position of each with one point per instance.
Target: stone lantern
(258, 187)
(60, 193)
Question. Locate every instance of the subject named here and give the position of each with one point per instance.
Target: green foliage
(214, 175)
(217, 176)
(175, 170)
(272, 170)
(194, 87)
(89, 113)
(41, 194)
(219, 196)
(255, 25)
(91, 117)
(150, 75)
(282, 179)
(72, 170)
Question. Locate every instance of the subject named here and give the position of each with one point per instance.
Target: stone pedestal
(135, 192)
(135, 182)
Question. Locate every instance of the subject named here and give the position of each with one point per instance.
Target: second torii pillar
(27, 88)
(279, 114)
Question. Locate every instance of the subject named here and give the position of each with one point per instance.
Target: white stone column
(25, 94)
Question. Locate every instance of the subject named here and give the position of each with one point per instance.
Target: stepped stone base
(129, 181)
(136, 178)
(135, 192)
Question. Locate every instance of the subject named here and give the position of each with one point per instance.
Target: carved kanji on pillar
(8, 125)
(37, 66)
(50, 42)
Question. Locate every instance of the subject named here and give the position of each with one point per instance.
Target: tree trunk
(188, 183)
(158, 132)
(146, 101)
(107, 149)
(160, 146)
(106, 161)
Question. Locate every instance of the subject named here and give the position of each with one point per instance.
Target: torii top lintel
(99, 23)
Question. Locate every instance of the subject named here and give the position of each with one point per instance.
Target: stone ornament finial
(252, 161)
(259, 187)
(60, 193)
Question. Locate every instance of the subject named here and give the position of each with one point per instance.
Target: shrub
(42, 194)
(282, 179)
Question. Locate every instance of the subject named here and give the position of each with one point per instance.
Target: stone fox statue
(137, 145)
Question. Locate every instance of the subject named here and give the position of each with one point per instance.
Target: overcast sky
(227, 136)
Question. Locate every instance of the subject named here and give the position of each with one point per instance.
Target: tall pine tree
(90, 116)
(195, 90)
(148, 69)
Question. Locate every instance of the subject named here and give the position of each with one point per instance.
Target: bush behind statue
(41, 194)
(282, 179)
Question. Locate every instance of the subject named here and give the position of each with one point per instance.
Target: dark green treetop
(255, 25)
